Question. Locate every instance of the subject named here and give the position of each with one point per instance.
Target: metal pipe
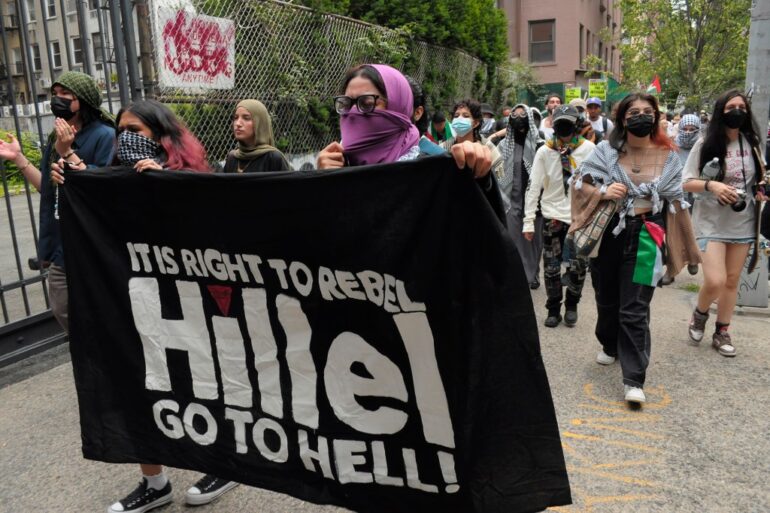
(85, 44)
(120, 52)
(105, 64)
(130, 42)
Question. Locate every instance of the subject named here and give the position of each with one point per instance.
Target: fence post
(120, 52)
(130, 41)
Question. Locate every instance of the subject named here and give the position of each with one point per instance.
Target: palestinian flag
(649, 256)
(654, 87)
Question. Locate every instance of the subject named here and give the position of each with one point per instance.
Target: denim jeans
(623, 307)
(553, 244)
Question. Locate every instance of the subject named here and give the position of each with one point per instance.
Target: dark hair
(475, 108)
(552, 95)
(715, 140)
(419, 101)
(368, 72)
(88, 114)
(439, 116)
(669, 116)
(619, 134)
(183, 149)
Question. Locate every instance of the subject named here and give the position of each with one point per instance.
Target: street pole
(758, 66)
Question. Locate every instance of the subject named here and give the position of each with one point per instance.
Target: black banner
(364, 337)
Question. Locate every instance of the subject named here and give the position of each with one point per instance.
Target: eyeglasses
(365, 103)
(519, 114)
(633, 112)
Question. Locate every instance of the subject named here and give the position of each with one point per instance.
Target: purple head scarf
(381, 136)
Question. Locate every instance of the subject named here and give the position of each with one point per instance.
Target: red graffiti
(196, 44)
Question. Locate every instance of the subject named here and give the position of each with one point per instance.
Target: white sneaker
(604, 359)
(634, 394)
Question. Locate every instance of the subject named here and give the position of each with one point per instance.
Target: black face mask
(61, 108)
(564, 129)
(640, 125)
(735, 118)
(520, 124)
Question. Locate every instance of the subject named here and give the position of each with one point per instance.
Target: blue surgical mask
(462, 126)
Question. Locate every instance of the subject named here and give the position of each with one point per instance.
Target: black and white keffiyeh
(602, 165)
(507, 148)
(133, 147)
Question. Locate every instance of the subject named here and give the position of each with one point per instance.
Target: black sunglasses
(365, 103)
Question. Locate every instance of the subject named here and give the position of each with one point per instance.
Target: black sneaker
(570, 318)
(552, 320)
(207, 489)
(142, 499)
(534, 284)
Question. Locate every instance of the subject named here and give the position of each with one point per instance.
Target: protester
(152, 138)
(440, 130)
(584, 127)
(466, 124)
(725, 213)
(552, 171)
(521, 142)
(376, 126)
(488, 122)
(601, 125)
(637, 167)
(420, 119)
(552, 100)
(256, 151)
(687, 134)
(538, 117)
(83, 136)
(502, 123)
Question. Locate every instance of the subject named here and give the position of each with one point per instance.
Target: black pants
(623, 307)
(553, 249)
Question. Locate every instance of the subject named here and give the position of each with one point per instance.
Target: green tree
(697, 47)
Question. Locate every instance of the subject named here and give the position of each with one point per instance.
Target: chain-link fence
(291, 58)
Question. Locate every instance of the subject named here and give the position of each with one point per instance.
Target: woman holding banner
(376, 125)
(638, 168)
(725, 167)
(151, 137)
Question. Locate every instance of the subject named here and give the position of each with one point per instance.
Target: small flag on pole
(649, 256)
(654, 87)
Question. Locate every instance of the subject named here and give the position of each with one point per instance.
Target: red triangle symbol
(222, 295)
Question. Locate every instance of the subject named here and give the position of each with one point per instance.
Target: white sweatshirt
(546, 176)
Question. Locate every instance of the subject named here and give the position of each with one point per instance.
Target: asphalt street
(700, 444)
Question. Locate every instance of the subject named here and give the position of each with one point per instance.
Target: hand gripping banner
(360, 337)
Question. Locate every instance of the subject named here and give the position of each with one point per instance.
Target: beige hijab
(264, 141)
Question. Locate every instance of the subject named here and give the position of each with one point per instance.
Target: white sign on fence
(753, 288)
(194, 51)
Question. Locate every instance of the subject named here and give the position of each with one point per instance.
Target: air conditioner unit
(6, 112)
(47, 107)
(45, 82)
(19, 110)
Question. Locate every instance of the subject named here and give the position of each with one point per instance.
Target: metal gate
(39, 40)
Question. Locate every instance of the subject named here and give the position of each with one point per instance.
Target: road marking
(583, 444)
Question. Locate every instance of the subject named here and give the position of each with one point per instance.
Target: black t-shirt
(273, 161)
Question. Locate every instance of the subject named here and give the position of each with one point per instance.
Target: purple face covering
(382, 135)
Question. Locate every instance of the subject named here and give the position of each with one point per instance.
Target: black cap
(566, 113)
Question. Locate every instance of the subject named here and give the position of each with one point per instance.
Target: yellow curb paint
(613, 477)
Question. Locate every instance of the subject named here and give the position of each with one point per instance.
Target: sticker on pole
(194, 51)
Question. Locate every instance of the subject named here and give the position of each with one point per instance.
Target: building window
(96, 40)
(582, 46)
(51, 8)
(93, 4)
(31, 11)
(56, 54)
(37, 64)
(18, 64)
(541, 41)
(77, 51)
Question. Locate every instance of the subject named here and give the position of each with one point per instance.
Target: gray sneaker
(697, 326)
(723, 343)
